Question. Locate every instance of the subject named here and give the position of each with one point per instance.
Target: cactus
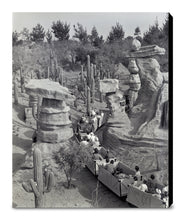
(48, 73)
(38, 186)
(92, 84)
(52, 67)
(88, 101)
(15, 92)
(62, 77)
(101, 71)
(95, 71)
(32, 74)
(34, 103)
(22, 81)
(82, 74)
(88, 70)
(101, 97)
(93, 90)
(85, 87)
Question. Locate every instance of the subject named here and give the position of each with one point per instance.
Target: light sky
(102, 21)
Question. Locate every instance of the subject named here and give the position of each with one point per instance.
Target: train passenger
(93, 113)
(135, 183)
(105, 162)
(137, 172)
(84, 143)
(110, 167)
(88, 136)
(119, 173)
(165, 188)
(151, 184)
(165, 199)
(143, 187)
(157, 193)
(96, 155)
(94, 123)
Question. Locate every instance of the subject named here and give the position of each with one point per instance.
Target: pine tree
(81, 33)
(116, 33)
(61, 30)
(38, 33)
(96, 41)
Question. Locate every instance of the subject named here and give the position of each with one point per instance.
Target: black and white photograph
(91, 110)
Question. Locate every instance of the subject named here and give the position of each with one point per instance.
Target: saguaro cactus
(15, 92)
(62, 76)
(88, 101)
(101, 71)
(92, 84)
(38, 186)
(48, 72)
(22, 80)
(88, 70)
(82, 74)
(95, 71)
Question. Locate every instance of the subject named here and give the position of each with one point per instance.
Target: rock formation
(53, 120)
(54, 127)
(141, 136)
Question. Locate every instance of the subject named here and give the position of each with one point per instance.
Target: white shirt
(143, 187)
(138, 174)
(84, 143)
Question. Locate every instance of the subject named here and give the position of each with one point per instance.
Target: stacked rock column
(54, 122)
(134, 82)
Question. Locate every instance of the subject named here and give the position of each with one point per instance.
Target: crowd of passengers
(102, 158)
(90, 123)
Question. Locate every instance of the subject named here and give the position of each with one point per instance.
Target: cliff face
(141, 136)
(147, 111)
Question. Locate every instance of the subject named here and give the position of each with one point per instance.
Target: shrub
(70, 160)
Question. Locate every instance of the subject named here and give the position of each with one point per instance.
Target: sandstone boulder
(48, 89)
(108, 85)
(147, 51)
(135, 45)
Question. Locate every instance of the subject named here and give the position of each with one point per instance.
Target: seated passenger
(143, 187)
(96, 155)
(96, 143)
(110, 167)
(135, 181)
(119, 173)
(165, 189)
(84, 143)
(137, 172)
(157, 193)
(88, 136)
(151, 184)
(165, 199)
(105, 162)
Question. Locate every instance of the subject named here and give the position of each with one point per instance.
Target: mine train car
(93, 165)
(142, 199)
(123, 187)
(118, 186)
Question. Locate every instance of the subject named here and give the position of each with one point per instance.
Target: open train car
(119, 187)
(142, 199)
(93, 165)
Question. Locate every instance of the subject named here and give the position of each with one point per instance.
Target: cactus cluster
(41, 183)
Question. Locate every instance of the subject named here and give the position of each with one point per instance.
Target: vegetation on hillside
(31, 49)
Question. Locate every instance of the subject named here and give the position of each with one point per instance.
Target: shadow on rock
(24, 144)
(18, 160)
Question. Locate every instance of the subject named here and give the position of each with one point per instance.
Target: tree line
(109, 51)
(61, 31)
